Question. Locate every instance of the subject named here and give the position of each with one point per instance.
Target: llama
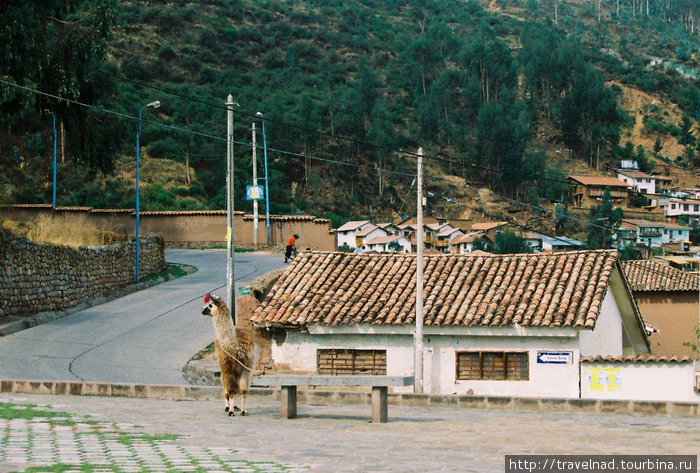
(237, 352)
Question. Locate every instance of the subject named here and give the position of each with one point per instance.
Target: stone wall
(193, 228)
(42, 277)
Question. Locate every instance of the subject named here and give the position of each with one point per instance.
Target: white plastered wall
(298, 352)
(606, 338)
(639, 381)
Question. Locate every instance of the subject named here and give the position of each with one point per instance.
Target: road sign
(555, 357)
(254, 193)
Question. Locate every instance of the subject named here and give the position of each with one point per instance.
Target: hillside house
(637, 180)
(346, 233)
(668, 300)
(587, 191)
(384, 244)
(509, 325)
(390, 228)
(689, 209)
(465, 243)
(558, 243)
(534, 241)
(444, 235)
(491, 229)
(368, 233)
(651, 234)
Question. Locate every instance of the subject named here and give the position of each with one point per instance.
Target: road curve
(144, 337)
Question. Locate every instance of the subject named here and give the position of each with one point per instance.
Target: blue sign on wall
(555, 357)
(254, 193)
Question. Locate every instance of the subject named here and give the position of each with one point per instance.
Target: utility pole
(418, 341)
(255, 201)
(230, 280)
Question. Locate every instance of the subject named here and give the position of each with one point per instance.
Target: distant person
(290, 247)
(360, 249)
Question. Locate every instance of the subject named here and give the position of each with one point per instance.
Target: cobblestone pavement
(128, 434)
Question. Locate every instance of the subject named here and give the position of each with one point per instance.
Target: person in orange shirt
(290, 247)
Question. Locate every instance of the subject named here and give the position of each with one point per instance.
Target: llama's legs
(227, 398)
(244, 412)
(233, 403)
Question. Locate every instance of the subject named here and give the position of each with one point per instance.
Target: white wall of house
(298, 352)
(544, 379)
(384, 247)
(639, 381)
(645, 185)
(606, 338)
(348, 237)
(374, 233)
(678, 207)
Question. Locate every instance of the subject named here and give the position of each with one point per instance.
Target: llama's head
(212, 305)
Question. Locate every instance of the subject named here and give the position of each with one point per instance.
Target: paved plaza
(136, 435)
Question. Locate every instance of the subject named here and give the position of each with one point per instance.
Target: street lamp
(155, 104)
(267, 193)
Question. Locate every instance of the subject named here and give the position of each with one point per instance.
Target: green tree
(588, 115)
(500, 138)
(603, 223)
(508, 242)
(59, 47)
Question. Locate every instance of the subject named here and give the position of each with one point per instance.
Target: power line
(242, 143)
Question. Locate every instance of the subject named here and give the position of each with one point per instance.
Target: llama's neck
(224, 328)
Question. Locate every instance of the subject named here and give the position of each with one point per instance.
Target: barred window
(490, 365)
(351, 362)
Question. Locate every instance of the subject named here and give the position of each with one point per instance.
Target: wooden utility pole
(230, 280)
(255, 201)
(418, 340)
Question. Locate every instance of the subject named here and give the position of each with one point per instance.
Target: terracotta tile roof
(647, 275)
(599, 181)
(367, 230)
(635, 174)
(384, 239)
(487, 225)
(332, 288)
(468, 238)
(354, 225)
(637, 359)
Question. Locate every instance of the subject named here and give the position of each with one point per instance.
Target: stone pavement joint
(74, 441)
(312, 396)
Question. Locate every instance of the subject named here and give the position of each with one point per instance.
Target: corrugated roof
(648, 275)
(602, 181)
(333, 288)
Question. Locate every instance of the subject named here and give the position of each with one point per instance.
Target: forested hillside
(506, 94)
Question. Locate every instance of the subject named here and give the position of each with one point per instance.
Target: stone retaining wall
(43, 277)
(313, 396)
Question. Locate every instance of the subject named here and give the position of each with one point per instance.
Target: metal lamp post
(54, 160)
(155, 104)
(267, 193)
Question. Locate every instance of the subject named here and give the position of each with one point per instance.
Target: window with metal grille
(353, 362)
(490, 365)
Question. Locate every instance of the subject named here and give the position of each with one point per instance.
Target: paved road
(145, 337)
(128, 433)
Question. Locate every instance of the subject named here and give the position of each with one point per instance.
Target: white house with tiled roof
(689, 208)
(368, 233)
(509, 325)
(346, 233)
(638, 180)
(387, 244)
(465, 243)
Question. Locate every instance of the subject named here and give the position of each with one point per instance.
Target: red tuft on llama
(237, 352)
